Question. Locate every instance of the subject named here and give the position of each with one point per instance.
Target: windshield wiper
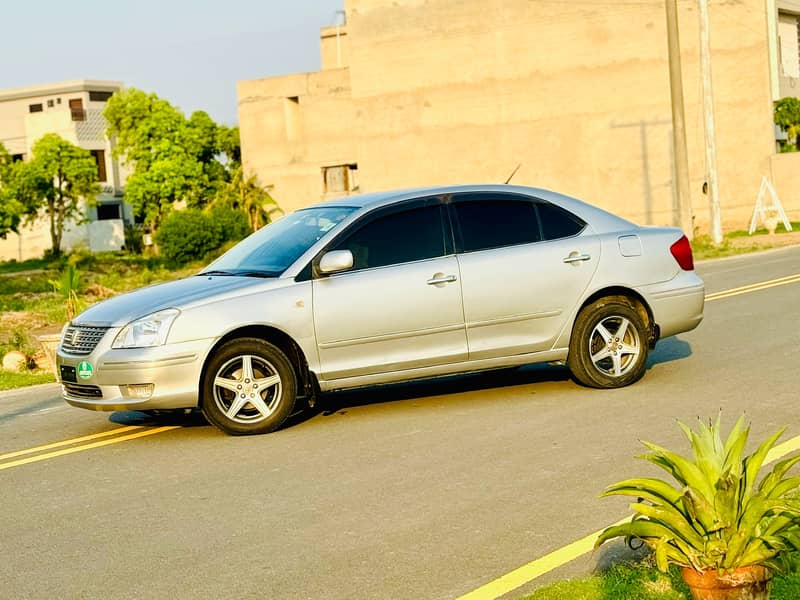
(262, 274)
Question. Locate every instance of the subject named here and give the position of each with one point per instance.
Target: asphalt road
(426, 490)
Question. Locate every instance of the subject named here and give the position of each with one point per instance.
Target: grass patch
(741, 242)
(34, 264)
(29, 306)
(703, 248)
(9, 380)
(762, 231)
(642, 581)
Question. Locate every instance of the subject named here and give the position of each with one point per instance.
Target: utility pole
(708, 109)
(678, 121)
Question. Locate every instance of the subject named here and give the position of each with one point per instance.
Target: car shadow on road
(183, 418)
(333, 402)
(667, 350)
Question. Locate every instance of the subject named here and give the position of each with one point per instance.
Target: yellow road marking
(536, 568)
(76, 440)
(754, 287)
(100, 444)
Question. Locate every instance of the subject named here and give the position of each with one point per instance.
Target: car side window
(401, 237)
(557, 222)
(495, 222)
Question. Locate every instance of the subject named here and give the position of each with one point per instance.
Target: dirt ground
(775, 240)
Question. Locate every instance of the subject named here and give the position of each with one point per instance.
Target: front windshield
(272, 249)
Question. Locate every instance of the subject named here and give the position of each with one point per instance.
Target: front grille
(82, 391)
(81, 340)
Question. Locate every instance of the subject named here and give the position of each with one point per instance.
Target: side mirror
(336, 261)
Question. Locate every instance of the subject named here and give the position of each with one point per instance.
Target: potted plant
(726, 531)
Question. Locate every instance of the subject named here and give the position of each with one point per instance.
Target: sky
(189, 52)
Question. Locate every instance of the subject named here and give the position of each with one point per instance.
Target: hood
(180, 294)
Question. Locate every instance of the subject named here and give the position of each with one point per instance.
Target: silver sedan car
(388, 287)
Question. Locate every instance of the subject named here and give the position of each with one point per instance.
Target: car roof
(601, 220)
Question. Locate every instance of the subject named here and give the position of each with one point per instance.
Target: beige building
(577, 93)
(73, 110)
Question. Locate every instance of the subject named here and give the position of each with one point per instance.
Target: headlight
(146, 332)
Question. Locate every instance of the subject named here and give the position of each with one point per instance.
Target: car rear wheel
(609, 344)
(249, 387)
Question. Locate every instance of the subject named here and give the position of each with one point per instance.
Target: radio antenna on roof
(514, 172)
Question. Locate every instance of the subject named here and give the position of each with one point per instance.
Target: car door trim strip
(391, 336)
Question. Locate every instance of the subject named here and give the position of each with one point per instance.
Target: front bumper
(173, 370)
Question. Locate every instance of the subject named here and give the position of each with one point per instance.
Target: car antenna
(514, 172)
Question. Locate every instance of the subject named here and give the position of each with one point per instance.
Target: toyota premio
(388, 287)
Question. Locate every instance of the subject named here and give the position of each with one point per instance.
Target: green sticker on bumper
(85, 370)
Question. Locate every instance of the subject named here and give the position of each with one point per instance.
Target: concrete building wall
(577, 93)
(20, 129)
(447, 91)
(334, 47)
(786, 180)
(293, 127)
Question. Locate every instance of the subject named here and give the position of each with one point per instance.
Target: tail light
(682, 251)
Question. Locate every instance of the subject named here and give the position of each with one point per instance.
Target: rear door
(524, 264)
(399, 307)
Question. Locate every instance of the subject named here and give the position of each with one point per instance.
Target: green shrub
(187, 235)
(134, 238)
(231, 223)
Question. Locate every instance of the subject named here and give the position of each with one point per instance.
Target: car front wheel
(609, 344)
(249, 387)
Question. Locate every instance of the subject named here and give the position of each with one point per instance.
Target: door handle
(575, 257)
(436, 279)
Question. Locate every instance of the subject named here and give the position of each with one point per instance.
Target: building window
(106, 212)
(99, 96)
(76, 108)
(292, 118)
(50, 104)
(100, 159)
(340, 178)
(34, 108)
(788, 45)
(17, 157)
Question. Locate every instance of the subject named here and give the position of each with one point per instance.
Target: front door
(399, 307)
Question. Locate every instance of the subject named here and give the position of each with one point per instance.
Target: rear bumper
(677, 304)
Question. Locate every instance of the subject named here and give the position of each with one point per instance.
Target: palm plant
(67, 286)
(717, 516)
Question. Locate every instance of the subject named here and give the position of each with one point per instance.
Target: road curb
(21, 391)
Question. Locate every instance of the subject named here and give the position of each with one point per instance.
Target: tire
(600, 358)
(249, 387)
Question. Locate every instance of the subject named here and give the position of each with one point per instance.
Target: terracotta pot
(744, 583)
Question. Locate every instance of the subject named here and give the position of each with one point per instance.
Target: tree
(11, 209)
(173, 158)
(148, 135)
(57, 178)
(169, 177)
(245, 193)
(787, 117)
(22, 188)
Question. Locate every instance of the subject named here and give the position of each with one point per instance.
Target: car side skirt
(440, 370)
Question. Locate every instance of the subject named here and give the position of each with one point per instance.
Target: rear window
(557, 222)
(496, 223)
